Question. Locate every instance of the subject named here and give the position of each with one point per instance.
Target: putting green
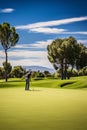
(43, 109)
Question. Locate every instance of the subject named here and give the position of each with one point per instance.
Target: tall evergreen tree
(8, 38)
(63, 53)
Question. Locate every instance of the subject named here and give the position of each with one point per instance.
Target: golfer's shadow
(36, 90)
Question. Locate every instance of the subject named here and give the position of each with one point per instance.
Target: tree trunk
(65, 70)
(6, 65)
(62, 74)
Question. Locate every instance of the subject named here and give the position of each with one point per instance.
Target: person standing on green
(27, 77)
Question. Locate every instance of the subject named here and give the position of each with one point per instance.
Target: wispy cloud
(26, 54)
(6, 10)
(52, 23)
(82, 32)
(41, 44)
(82, 41)
(28, 62)
(47, 30)
(20, 46)
(37, 45)
(48, 27)
(55, 31)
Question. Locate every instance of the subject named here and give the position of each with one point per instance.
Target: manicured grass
(73, 83)
(43, 109)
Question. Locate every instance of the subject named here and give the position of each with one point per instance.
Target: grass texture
(45, 107)
(73, 83)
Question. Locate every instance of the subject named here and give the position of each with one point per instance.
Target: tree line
(20, 72)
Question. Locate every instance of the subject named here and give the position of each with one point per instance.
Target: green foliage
(82, 72)
(17, 71)
(34, 74)
(81, 60)
(72, 73)
(40, 75)
(9, 67)
(47, 73)
(2, 72)
(63, 53)
(8, 38)
(37, 75)
(57, 74)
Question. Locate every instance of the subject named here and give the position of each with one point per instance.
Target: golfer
(27, 77)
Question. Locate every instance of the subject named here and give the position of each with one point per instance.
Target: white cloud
(21, 46)
(26, 58)
(47, 30)
(36, 45)
(2, 54)
(26, 54)
(82, 33)
(2, 57)
(82, 41)
(27, 62)
(41, 44)
(55, 31)
(46, 27)
(51, 23)
(6, 10)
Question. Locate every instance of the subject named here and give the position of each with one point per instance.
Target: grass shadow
(32, 90)
(68, 83)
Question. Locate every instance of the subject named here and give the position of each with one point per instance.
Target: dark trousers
(27, 84)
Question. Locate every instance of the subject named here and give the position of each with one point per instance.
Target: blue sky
(38, 23)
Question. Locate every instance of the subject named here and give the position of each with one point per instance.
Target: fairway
(43, 109)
